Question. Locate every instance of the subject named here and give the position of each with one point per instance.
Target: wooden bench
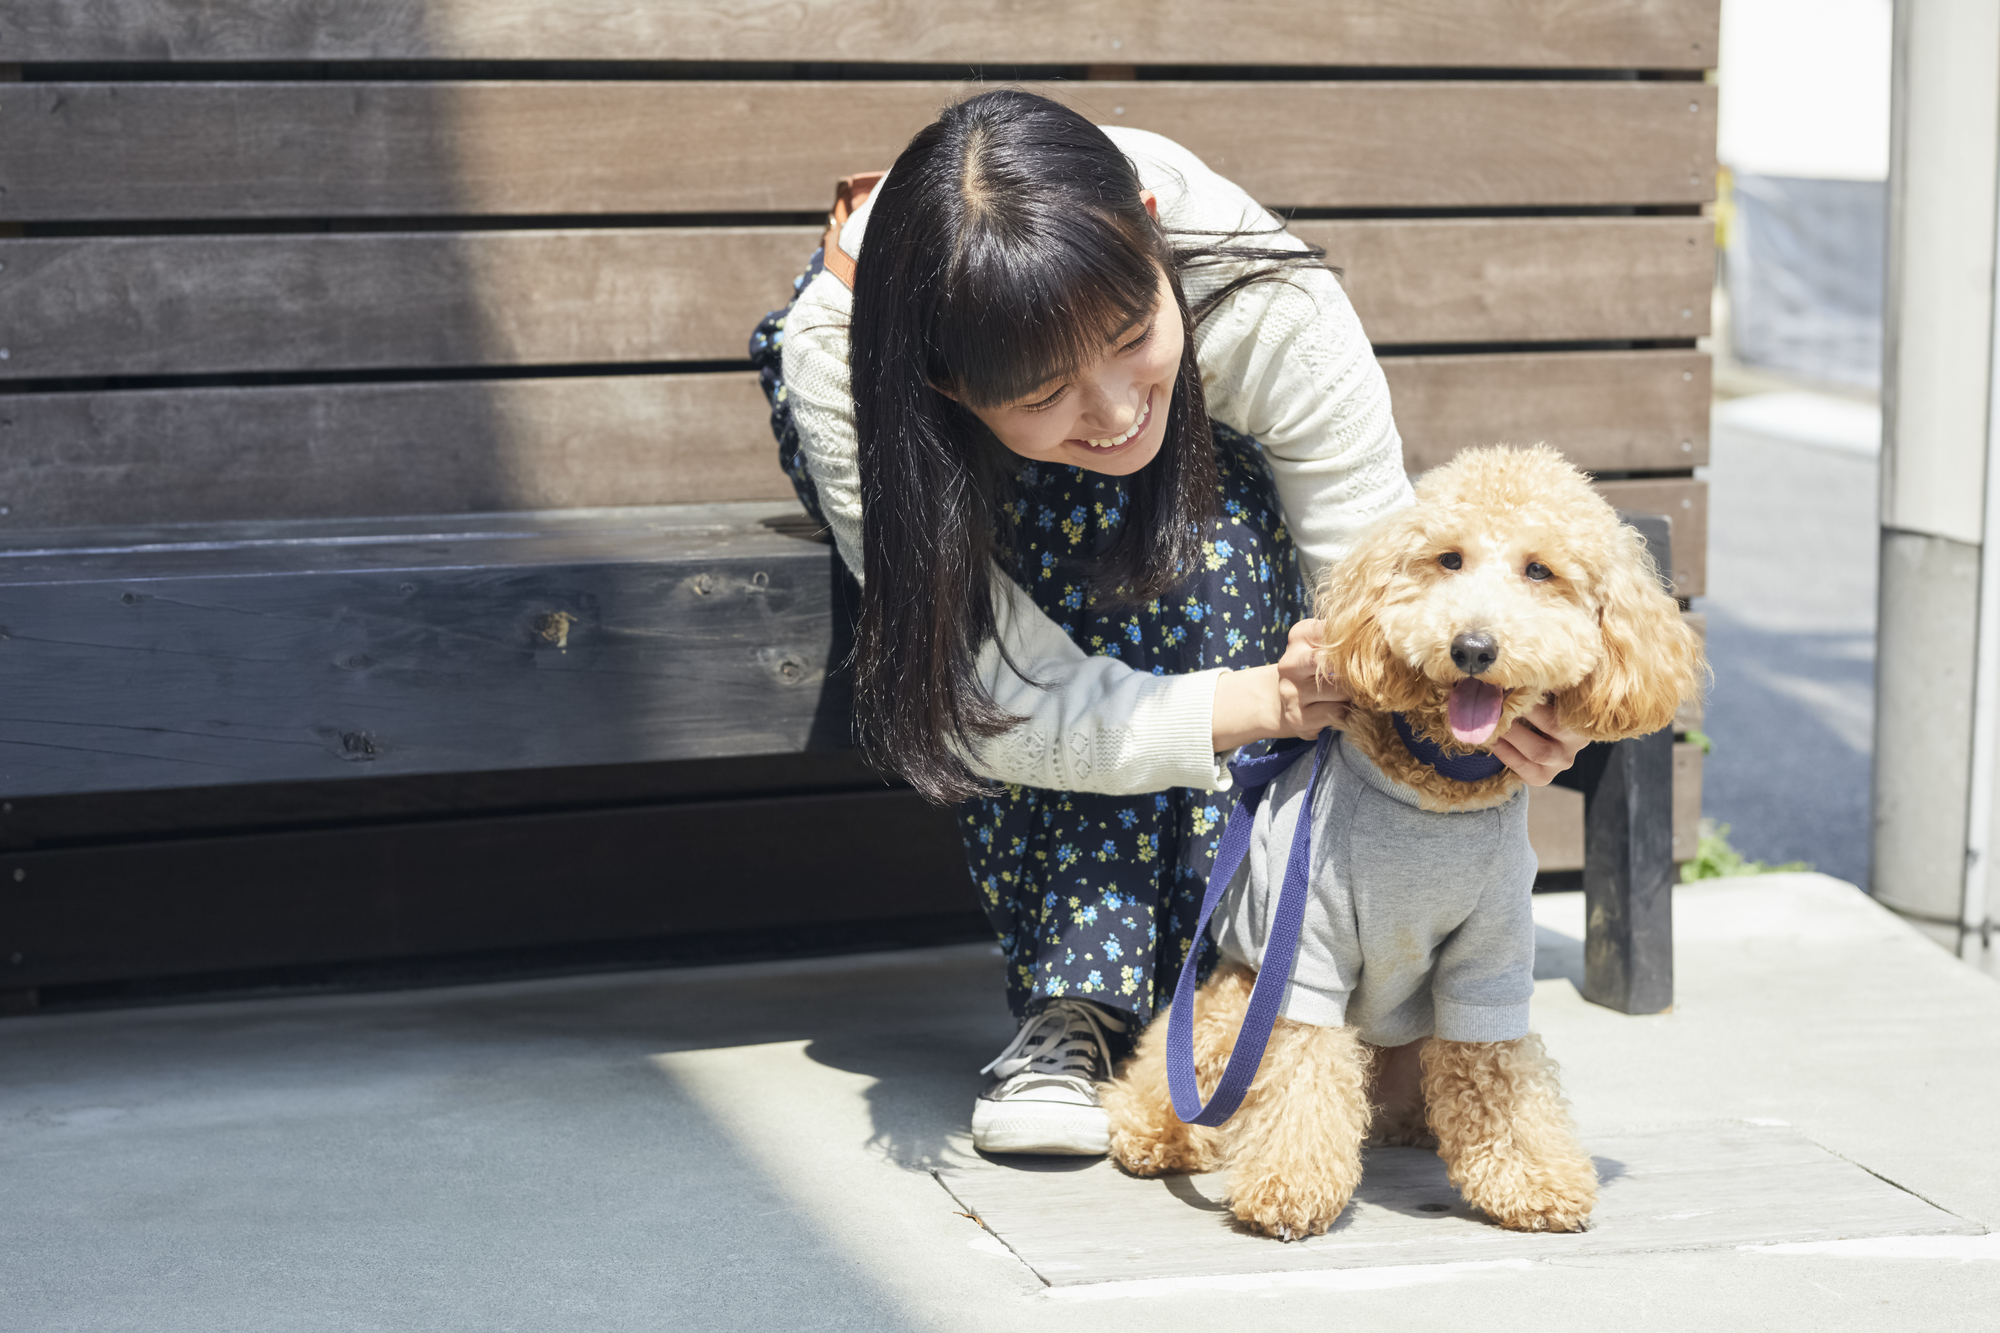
(393, 560)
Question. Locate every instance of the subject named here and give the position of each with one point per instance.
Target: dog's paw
(1275, 1208)
(1529, 1197)
(1176, 1152)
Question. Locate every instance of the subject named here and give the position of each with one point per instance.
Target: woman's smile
(1116, 443)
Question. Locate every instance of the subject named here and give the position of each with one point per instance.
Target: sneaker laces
(1067, 1037)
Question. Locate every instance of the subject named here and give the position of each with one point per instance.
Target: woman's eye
(1451, 560)
(1537, 570)
(1142, 339)
(1047, 402)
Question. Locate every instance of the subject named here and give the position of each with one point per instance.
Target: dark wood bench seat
(294, 651)
(331, 741)
(264, 747)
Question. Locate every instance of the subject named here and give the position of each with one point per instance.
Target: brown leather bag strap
(848, 195)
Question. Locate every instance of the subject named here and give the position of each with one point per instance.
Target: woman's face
(1110, 416)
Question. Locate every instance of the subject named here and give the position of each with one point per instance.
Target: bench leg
(1628, 875)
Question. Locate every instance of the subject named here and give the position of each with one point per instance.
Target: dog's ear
(1353, 648)
(1651, 660)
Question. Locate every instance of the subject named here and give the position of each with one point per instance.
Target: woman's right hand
(1284, 699)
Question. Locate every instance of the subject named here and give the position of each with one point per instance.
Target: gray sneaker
(1043, 1098)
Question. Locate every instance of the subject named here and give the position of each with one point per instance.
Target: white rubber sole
(1052, 1128)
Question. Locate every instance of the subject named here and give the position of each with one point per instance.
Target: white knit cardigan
(1285, 363)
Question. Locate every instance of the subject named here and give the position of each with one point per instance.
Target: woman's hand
(1284, 699)
(1537, 747)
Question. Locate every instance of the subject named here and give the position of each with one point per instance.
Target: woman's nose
(1112, 410)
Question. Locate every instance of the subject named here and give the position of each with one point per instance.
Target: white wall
(1803, 88)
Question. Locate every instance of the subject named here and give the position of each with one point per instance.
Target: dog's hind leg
(1147, 1138)
(1295, 1145)
(1505, 1133)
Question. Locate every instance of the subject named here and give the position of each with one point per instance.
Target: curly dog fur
(1574, 602)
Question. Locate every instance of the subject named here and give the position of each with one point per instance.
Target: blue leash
(1252, 778)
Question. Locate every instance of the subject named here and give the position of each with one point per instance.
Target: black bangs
(1034, 294)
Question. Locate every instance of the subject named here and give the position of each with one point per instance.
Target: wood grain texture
(353, 450)
(201, 304)
(1555, 828)
(418, 646)
(1607, 411)
(195, 304)
(1689, 716)
(1691, 1187)
(1523, 279)
(1685, 501)
(1687, 800)
(361, 450)
(441, 887)
(1648, 34)
(143, 150)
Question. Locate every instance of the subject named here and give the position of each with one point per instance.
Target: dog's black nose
(1473, 653)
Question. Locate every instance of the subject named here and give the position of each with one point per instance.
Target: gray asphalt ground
(749, 1147)
(1793, 533)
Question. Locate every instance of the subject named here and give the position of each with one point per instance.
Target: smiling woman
(1085, 424)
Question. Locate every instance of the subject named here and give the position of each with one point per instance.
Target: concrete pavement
(750, 1147)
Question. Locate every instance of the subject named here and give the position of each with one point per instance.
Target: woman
(1082, 535)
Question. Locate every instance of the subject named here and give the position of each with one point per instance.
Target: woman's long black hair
(1007, 245)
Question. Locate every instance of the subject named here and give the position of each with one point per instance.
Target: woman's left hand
(1537, 747)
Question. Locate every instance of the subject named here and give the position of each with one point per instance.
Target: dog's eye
(1451, 560)
(1537, 570)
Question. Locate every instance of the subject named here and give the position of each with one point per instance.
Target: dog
(1510, 581)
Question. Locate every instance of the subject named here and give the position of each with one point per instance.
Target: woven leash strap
(1253, 777)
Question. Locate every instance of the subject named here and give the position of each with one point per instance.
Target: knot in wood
(554, 628)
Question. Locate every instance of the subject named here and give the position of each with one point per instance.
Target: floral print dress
(1095, 895)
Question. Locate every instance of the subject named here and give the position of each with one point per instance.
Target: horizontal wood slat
(1523, 279)
(187, 305)
(1642, 34)
(220, 304)
(351, 450)
(361, 450)
(1685, 501)
(145, 150)
(1608, 411)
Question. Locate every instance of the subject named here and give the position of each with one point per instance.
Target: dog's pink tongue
(1474, 710)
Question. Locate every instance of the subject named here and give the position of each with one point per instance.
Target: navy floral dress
(1094, 895)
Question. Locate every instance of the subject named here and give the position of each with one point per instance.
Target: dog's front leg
(1504, 1131)
(1295, 1145)
(1147, 1138)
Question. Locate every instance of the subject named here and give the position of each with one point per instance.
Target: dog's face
(1508, 581)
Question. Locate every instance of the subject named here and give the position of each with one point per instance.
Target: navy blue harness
(1252, 778)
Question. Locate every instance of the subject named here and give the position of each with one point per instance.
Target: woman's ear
(1651, 660)
(1152, 203)
(1354, 650)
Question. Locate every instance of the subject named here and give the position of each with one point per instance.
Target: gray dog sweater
(1418, 921)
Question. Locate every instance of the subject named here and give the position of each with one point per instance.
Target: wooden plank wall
(268, 261)
(279, 260)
